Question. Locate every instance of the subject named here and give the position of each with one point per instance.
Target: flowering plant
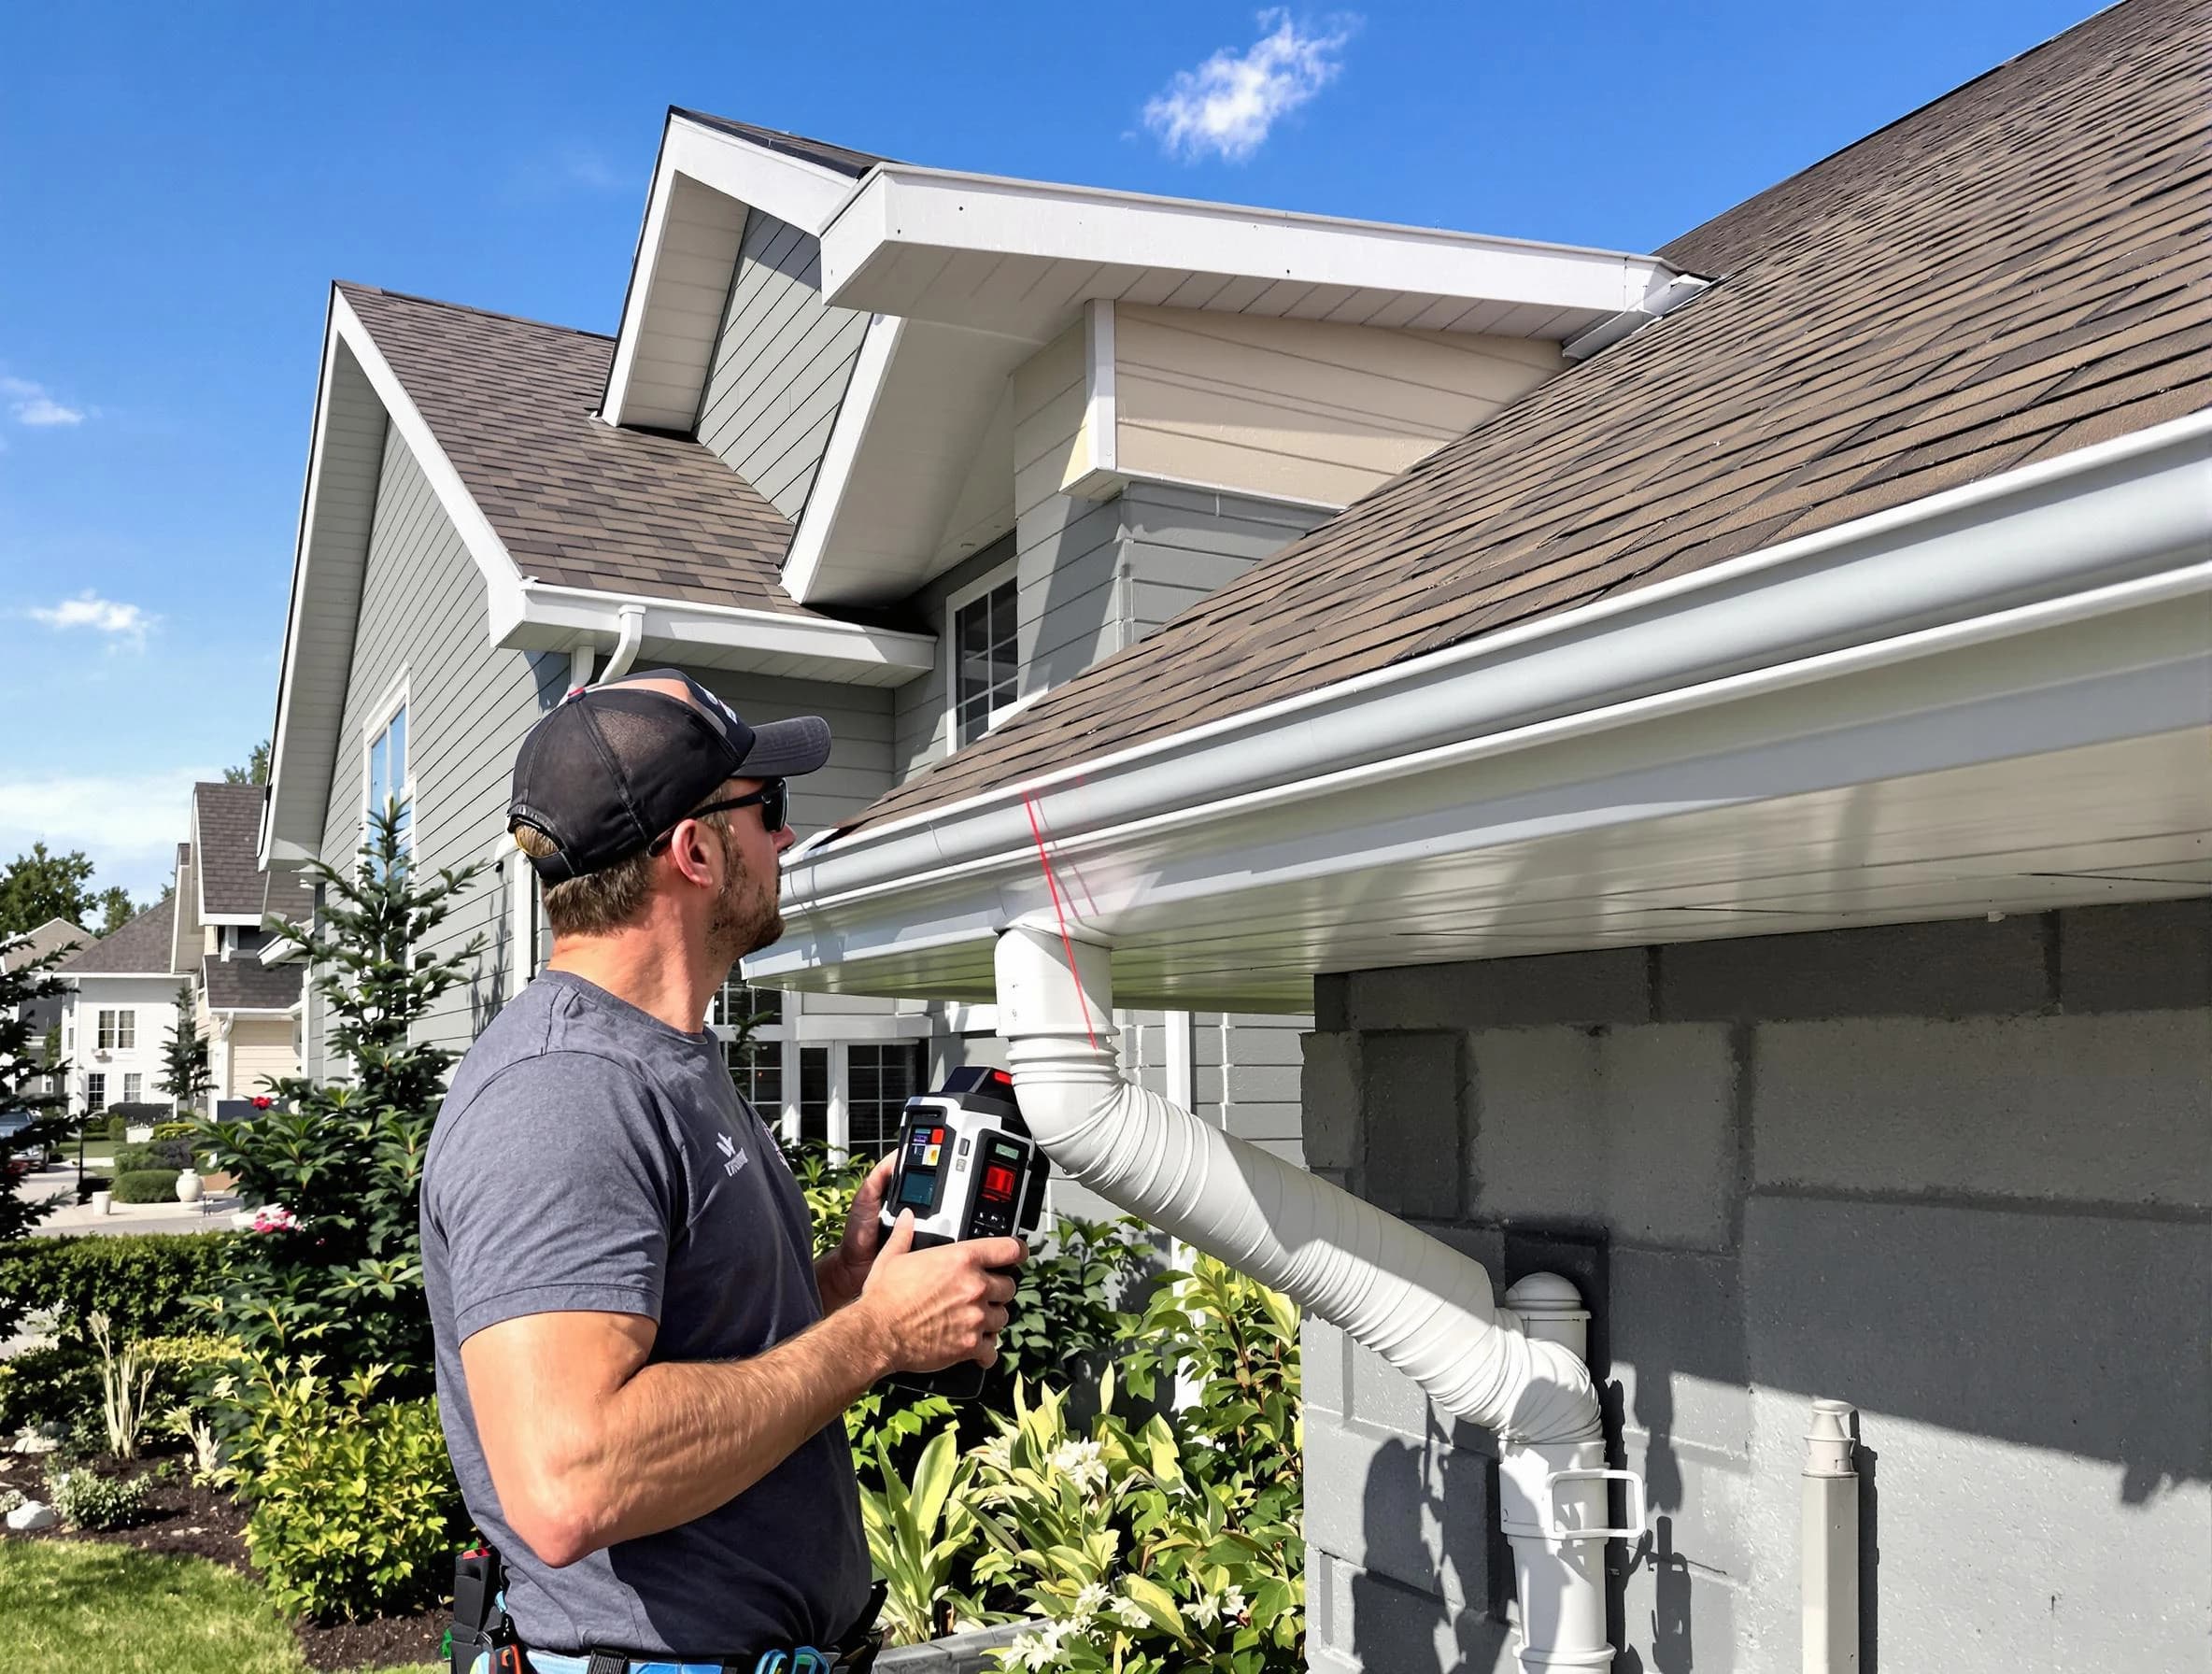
(262, 1101)
(275, 1217)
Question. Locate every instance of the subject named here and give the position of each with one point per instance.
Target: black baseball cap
(617, 766)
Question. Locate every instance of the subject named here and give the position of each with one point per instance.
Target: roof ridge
(356, 287)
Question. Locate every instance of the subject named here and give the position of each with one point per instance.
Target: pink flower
(263, 1102)
(275, 1217)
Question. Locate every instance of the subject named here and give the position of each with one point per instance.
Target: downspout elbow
(1423, 1305)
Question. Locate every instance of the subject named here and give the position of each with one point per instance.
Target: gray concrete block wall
(1959, 1174)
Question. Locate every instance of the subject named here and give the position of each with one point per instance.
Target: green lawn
(88, 1606)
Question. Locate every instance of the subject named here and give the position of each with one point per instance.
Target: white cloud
(128, 825)
(125, 624)
(1228, 105)
(29, 404)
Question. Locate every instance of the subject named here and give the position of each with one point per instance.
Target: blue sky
(178, 185)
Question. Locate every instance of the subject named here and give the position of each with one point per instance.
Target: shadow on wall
(1393, 1626)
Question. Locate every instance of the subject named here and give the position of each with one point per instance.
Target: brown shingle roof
(243, 983)
(576, 501)
(229, 819)
(29, 947)
(140, 947)
(2013, 272)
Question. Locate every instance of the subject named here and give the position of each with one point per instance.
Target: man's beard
(746, 918)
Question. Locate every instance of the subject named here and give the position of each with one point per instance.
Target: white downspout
(1423, 1307)
(1829, 1543)
(630, 633)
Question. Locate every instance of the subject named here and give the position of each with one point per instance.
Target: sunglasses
(774, 798)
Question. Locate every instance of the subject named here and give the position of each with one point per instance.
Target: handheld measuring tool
(968, 1168)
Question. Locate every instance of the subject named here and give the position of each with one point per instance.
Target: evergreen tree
(345, 1159)
(24, 1064)
(185, 1075)
(116, 908)
(255, 772)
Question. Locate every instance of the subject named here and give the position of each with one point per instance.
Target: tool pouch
(482, 1641)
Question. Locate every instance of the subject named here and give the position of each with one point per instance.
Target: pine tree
(24, 1064)
(185, 1075)
(345, 1159)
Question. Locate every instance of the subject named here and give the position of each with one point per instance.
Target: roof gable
(139, 948)
(226, 832)
(2011, 273)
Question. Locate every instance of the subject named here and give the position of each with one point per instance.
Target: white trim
(844, 648)
(792, 189)
(1100, 413)
(2071, 539)
(898, 205)
(872, 1028)
(856, 412)
(397, 699)
(981, 588)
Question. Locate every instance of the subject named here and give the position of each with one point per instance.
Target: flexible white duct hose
(1420, 1304)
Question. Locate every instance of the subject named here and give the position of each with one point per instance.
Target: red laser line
(1067, 943)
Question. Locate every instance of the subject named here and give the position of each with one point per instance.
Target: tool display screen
(1001, 1174)
(918, 1187)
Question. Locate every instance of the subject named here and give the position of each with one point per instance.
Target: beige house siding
(258, 1047)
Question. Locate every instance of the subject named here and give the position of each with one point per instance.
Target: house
(1741, 820)
(206, 935)
(44, 1015)
(902, 446)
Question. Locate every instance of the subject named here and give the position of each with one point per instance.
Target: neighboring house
(208, 934)
(900, 447)
(45, 1016)
(119, 1011)
(1742, 820)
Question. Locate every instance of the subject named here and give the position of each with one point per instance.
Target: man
(641, 1368)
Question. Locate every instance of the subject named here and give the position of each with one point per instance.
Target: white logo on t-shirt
(737, 1159)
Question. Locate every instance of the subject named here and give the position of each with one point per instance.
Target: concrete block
(1417, 1513)
(2143, 957)
(1680, 1599)
(1330, 1094)
(1631, 1128)
(1612, 986)
(2115, 1108)
(1383, 1397)
(1412, 1122)
(1332, 1003)
(1961, 969)
(1675, 1321)
(1323, 1379)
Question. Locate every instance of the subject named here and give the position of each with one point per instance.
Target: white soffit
(1019, 259)
(704, 183)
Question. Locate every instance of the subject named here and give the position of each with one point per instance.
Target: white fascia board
(576, 612)
(899, 205)
(805, 195)
(817, 518)
(277, 951)
(248, 921)
(252, 1010)
(2093, 532)
(289, 660)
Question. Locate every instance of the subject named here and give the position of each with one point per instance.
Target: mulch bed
(182, 1521)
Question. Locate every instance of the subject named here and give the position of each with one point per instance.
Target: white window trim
(955, 603)
(399, 695)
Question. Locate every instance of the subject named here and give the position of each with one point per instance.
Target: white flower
(1129, 1613)
(998, 1453)
(1031, 1651)
(1091, 1600)
(1080, 1463)
(1203, 1611)
(1234, 1603)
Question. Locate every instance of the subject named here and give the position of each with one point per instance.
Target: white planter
(101, 1201)
(188, 1186)
(137, 1136)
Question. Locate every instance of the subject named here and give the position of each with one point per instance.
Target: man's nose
(784, 837)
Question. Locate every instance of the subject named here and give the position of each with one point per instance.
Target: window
(95, 1092)
(119, 1030)
(757, 1068)
(391, 774)
(814, 1094)
(740, 1002)
(985, 659)
(881, 1076)
(134, 1084)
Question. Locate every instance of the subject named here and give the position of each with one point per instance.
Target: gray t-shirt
(591, 1158)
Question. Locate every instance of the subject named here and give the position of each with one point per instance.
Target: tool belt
(483, 1639)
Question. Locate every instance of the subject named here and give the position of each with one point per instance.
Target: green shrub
(143, 1114)
(146, 1186)
(118, 1128)
(174, 1130)
(48, 1386)
(355, 1509)
(172, 1155)
(85, 1500)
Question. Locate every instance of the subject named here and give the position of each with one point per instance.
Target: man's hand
(841, 1274)
(938, 1307)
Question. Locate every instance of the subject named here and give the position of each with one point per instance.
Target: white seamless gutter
(2113, 513)
(608, 617)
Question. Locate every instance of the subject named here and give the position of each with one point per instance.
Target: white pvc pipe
(1829, 1543)
(1423, 1307)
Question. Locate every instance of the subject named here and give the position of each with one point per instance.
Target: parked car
(13, 1122)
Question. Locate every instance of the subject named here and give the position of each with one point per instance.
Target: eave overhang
(1997, 698)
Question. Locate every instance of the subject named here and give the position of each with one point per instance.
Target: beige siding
(1301, 408)
(261, 1047)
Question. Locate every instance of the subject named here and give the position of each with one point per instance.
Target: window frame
(115, 1029)
(131, 1092)
(976, 592)
(95, 1091)
(397, 699)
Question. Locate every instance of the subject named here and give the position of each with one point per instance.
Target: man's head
(619, 802)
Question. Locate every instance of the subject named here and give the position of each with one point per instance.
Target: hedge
(171, 1154)
(139, 1279)
(142, 1113)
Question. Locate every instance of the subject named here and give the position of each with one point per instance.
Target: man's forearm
(681, 1438)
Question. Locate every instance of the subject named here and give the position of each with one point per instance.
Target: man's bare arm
(587, 1444)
